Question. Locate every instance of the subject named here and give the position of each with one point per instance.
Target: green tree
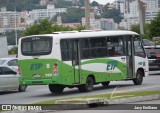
(63, 4)
(155, 26)
(135, 28)
(73, 15)
(46, 27)
(13, 50)
(146, 35)
(39, 27)
(94, 3)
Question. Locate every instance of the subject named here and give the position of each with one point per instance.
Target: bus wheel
(105, 84)
(56, 88)
(22, 88)
(88, 86)
(139, 78)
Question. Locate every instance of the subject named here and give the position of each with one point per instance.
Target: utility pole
(140, 17)
(15, 29)
(87, 14)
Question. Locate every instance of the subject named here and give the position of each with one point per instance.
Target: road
(40, 93)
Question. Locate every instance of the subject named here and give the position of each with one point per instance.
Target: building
(130, 11)
(10, 20)
(72, 25)
(50, 12)
(152, 9)
(103, 23)
(43, 2)
(3, 46)
(107, 24)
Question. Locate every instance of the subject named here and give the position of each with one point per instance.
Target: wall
(3, 47)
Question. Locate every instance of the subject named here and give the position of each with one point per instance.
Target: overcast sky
(103, 1)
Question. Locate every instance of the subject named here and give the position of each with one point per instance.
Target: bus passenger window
(98, 47)
(115, 46)
(85, 48)
(66, 48)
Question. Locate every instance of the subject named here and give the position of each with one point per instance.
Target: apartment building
(10, 20)
(103, 23)
(130, 11)
(50, 12)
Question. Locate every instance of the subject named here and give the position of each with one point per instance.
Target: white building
(3, 47)
(103, 23)
(50, 12)
(150, 9)
(10, 20)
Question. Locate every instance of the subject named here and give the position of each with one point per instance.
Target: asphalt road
(40, 93)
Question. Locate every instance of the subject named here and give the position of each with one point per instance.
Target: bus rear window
(32, 46)
(152, 53)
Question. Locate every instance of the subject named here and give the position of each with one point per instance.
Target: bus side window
(115, 46)
(65, 49)
(85, 48)
(138, 47)
(98, 47)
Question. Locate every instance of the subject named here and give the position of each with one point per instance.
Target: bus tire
(139, 78)
(56, 88)
(88, 86)
(22, 88)
(105, 84)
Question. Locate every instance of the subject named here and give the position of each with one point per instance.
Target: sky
(103, 1)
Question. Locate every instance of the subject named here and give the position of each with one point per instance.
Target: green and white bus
(81, 59)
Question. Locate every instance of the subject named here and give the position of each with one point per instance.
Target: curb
(79, 103)
(133, 99)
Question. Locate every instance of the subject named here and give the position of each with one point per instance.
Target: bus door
(129, 56)
(76, 61)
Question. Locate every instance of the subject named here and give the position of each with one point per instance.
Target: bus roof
(87, 34)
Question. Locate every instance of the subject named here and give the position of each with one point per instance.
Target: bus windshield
(36, 46)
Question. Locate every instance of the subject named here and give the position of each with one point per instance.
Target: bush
(13, 50)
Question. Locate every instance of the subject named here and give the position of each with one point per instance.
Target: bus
(81, 59)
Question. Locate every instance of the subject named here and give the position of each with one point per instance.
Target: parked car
(147, 42)
(10, 62)
(9, 80)
(153, 53)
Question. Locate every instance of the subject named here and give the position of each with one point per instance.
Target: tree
(46, 27)
(39, 27)
(135, 28)
(94, 3)
(72, 15)
(13, 50)
(146, 35)
(63, 4)
(155, 26)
